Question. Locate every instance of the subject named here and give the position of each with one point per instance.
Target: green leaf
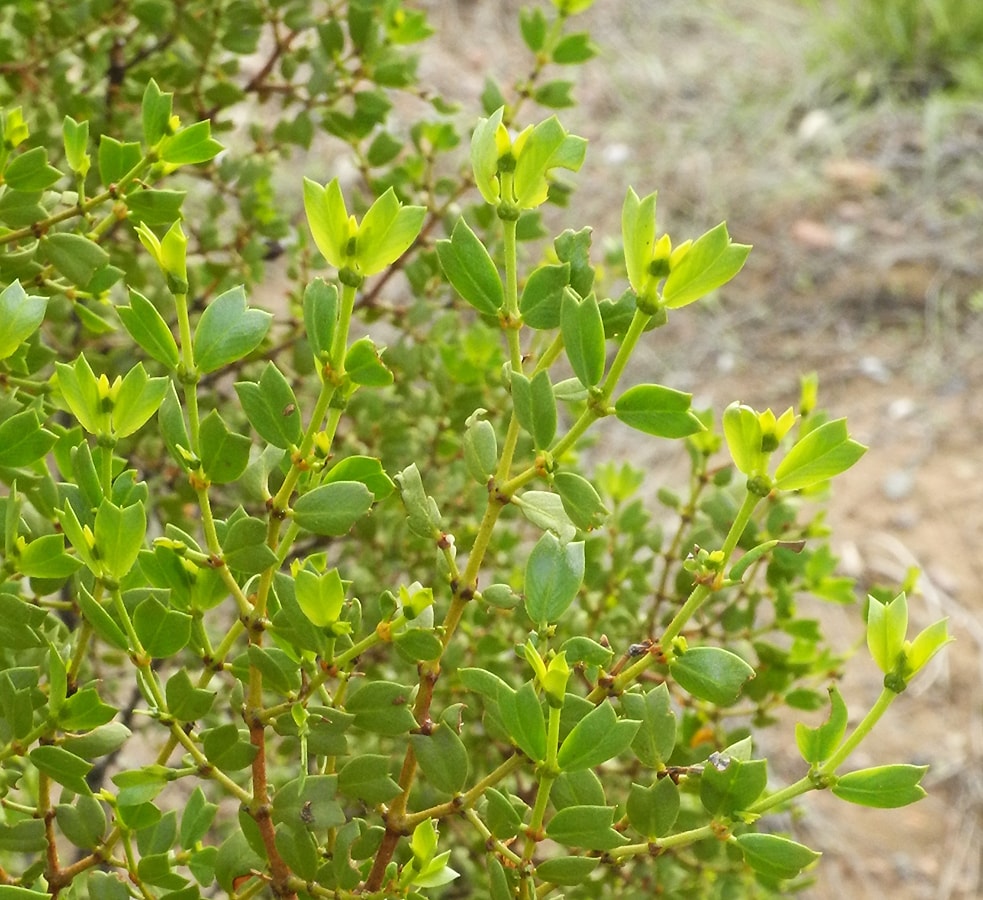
(228, 330)
(535, 406)
(190, 145)
(271, 407)
(184, 701)
(76, 257)
(580, 500)
(102, 741)
(658, 410)
(545, 510)
(367, 777)
(774, 856)
(154, 207)
(583, 337)
(224, 453)
(83, 823)
(442, 757)
(818, 744)
(532, 24)
(418, 644)
(147, 327)
(20, 316)
(822, 453)
(25, 836)
(75, 136)
(653, 810)
(887, 626)
(566, 870)
(711, 261)
(227, 747)
(574, 49)
(364, 364)
(29, 171)
(595, 739)
(170, 419)
(501, 816)
(156, 113)
(332, 509)
(585, 826)
(62, 766)
(883, 787)
(581, 649)
(137, 399)
(546, 147)
(711, 673)
(84, 710)
(555, 94)
(522, 714)
(244, 546)
(328, 220)
(727, 790)
(320, 317)
(638, 236)
(196, 818)
(554, 574)
(22, 442)
(423, 516)
(542, 296)
(119, 533)
(162, 631)
(386, 232)
(470, 270)
(116, 159)
(101, 621)
(382, 707)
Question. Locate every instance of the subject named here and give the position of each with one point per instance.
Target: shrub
(348, 621)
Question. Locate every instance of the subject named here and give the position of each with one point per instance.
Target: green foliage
(372, 598)
(902, 47)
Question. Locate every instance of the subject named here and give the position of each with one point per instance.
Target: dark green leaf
(656, 736)
(196, 818)
(554, 574)
(83, 822)
(522, 713)
(156, 113)
(818, 744)
(503, 819)
(367, 777)
(585, 826)
(365, 469)
(595, 739)
(76, 257)
(542, 295)
(733, 786)
(883, 787)
(29, 171)
(101, 621)
(583, 337)
(271, 407)
(228, 330)
(652, 810)
(224, 453)
(657, 410)
(62, 766)
(443, 758)
(566, 870)
(774, 856)
(116, 159)
(711, 673)
(147, 327)
(332, 509)
(154, 207)
(364, 364)
(580, 500)
(470, 270)
(535, 406)
(320, 317)
(119, 533)
(162, 631)
(382, 707)
(573, 49)
(184, 701)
